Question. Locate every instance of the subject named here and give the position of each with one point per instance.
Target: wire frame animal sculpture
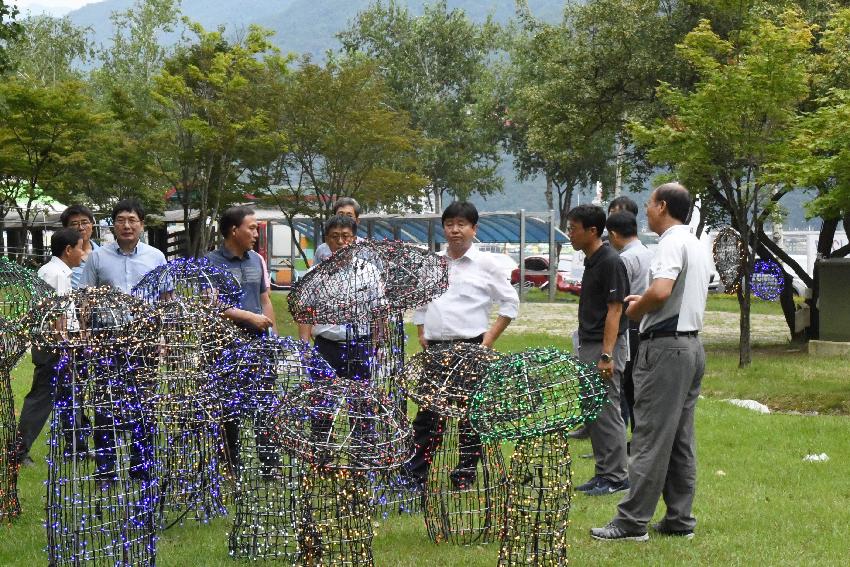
(12, 347)
(534, 397)
(270, 480)
(20, 290)
(195, 279)
(767, 280)
(730, 257)
(101, 511)
(190, 294)
(465, 479)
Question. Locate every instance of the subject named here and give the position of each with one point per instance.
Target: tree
(333, 136)
(719, 138)
(433, 64)
(45, 135)
(210, 117)
(9, 32)
(50, 50)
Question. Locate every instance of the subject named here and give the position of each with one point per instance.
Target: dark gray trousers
(667, 376)
(608, 432)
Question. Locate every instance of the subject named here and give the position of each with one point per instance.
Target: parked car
(537, 274)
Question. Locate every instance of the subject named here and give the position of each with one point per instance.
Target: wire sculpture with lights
(20, 290)
(269, 479)
(730, 257)
(534, 397)
(101, 510)
(465, 480)
(767, 280)
(190, 294)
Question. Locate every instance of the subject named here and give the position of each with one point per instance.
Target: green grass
(757, 503)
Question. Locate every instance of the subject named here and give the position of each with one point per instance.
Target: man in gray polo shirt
(123, 263)
(622, 235)
(667, 375)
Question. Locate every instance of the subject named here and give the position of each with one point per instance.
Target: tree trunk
(786, 298)
(745, 355)
(550, 201)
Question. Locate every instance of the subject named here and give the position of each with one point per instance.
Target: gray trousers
(667, 376)
(608, 432)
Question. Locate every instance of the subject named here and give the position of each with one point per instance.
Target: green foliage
(210, 112)
(50, 50)
(333, 134)
(46, 134)
(434, 65)
(10, 29)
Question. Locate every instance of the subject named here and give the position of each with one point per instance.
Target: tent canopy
(492, 228)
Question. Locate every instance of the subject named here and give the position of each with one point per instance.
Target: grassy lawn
(758, 503)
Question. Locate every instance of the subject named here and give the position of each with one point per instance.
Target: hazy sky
(55, 7)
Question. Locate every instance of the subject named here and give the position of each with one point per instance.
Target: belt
(649, 335)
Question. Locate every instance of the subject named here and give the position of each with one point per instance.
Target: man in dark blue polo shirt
(238, 226)
(255, 313)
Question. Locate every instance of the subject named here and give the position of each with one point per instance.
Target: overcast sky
(53, 7)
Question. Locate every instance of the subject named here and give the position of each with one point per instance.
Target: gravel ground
(562, 318)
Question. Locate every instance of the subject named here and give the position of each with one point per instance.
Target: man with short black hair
(255, 313)
(622, 235)
(239, 228)
(667, 375)
(623, 203)
(81, 218)
(345, 206)
(462, 314)
(123, 263)
(601, 328)
(66, 247)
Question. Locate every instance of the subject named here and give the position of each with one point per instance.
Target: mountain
(301, 26)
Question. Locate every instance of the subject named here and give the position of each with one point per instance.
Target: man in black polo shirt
(601, 328)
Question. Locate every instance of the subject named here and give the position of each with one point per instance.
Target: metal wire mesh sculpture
(270, 481)
(767, 280)
(366, 287)
(196, 279)
(20, 289)
(534, 397)
(730, 256)
(466, 481)
(190, 294)
(100, 511)
(12, 347)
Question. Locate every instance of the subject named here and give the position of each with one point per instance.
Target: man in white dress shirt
(462, 314)
(66, 246)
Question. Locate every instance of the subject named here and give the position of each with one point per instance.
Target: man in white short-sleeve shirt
(667, 375)
(462, 314)
(66, 247)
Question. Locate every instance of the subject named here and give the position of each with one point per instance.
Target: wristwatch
(605, 357)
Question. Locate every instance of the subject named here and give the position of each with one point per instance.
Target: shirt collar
(633, 244)
(675, 227)
(120, 252)
(228, 255)
(472, 253)
(589, 261)
(62, 266)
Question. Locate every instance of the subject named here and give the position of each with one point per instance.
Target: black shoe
(661, 529)
(613, 533)
(605, 486)
(580, 433)
(461, 479)
(589, 484)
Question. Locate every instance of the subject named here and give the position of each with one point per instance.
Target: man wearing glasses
(81, 218)
(123, 263)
